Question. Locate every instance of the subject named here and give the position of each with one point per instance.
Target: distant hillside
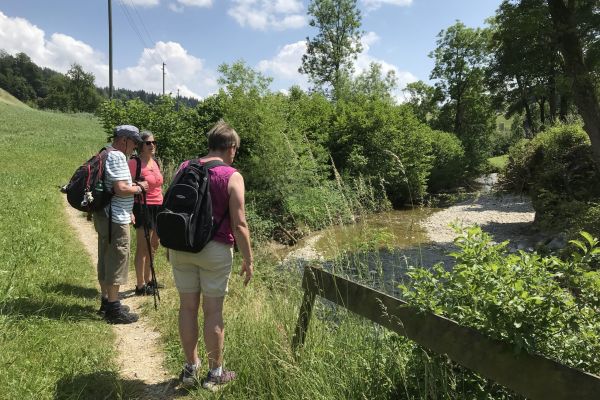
(8, 98)
(73, 91)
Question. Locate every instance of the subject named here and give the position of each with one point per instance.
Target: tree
(423, 100)
(81, 89)
(374, 84)
(460, 61)
(568, 18)
(526, 71)
(330, 55)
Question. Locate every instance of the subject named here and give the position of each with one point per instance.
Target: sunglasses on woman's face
(149, 142)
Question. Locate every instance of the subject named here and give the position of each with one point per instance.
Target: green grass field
(499, 163)
(52, 344)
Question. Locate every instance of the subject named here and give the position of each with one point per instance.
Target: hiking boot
(153, 284)
(214, 383)
(116, 314)
(144, 290)
(103, 303)
(189, 375)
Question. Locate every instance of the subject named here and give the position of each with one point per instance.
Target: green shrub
(540, 304)
(557, 169)
(377, 139)
(449, 166)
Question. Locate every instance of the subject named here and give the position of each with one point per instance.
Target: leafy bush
(449, 167)
(540, 304)
(557, 169)
(377, 139)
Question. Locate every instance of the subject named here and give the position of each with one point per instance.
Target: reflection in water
(375, 251)
(398, 229)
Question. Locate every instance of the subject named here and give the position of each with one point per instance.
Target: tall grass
(345, 356)
(52, 343)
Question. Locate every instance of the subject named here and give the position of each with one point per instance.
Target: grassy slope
(8, 98)
(52, 344)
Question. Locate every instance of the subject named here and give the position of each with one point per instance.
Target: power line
(134, 27)
(141, 21)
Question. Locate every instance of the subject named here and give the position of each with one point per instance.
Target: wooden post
(308, 301)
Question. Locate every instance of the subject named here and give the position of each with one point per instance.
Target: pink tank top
(219, 179)
(154, 178)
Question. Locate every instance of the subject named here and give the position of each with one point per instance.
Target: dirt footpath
(140, 358)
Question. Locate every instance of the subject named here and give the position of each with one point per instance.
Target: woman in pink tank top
(145, 215)
(208, 271)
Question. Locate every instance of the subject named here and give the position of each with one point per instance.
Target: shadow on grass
(108, 385)
(26, 308)
(73, 290)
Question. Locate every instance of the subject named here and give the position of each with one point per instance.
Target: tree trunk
(552, 96)
(564, 107)
(542, 104)
(528, 115)
(565, 25)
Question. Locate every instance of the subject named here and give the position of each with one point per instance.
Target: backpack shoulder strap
(138, 167)
(214, 163)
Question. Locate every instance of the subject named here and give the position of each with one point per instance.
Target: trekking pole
(145, 213)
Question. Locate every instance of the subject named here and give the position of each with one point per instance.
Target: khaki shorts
(113, 257)
(206, 272)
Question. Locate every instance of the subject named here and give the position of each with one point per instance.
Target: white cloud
(58, 53)
(195, 3)
(184, 71)
(144, 3)
(268, 14)
(285, 64)
(176, 8)
(375, 4)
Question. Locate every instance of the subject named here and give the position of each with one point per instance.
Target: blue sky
(193, 37)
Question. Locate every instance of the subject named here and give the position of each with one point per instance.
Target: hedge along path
(139, 356)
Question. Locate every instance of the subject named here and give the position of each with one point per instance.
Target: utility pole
(110, 63)
(163, 68)
(177, 103)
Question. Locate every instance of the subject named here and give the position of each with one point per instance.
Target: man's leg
(112, 291)
(189, 303)
(214, 332)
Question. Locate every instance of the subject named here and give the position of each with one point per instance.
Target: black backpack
(186, 222)
(85, 191)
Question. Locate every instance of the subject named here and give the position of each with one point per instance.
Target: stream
(378, 249)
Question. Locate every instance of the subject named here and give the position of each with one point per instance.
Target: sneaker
(214, 383)
(102, 309)
(189, 375)
(144, 290)
(153, 284)
(118, 315)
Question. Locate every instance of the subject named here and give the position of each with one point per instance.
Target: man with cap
(113, 245)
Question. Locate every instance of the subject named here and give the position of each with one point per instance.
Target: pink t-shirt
(153, 176)
(219, 195)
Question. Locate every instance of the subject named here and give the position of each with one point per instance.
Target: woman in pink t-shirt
(146, 216)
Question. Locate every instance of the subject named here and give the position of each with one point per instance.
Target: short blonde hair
(222, 137)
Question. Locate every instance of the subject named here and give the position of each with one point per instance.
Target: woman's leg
(214, 331)
(189, 303)
(140, 256)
